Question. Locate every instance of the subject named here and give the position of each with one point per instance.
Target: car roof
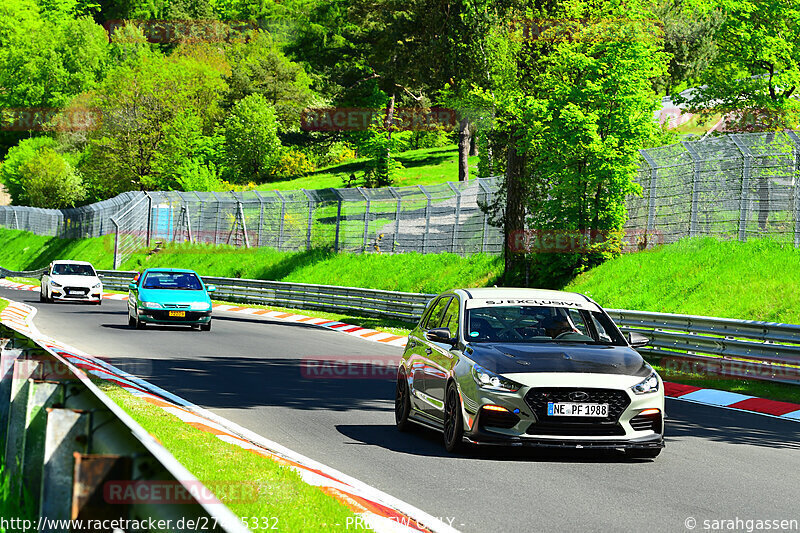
(472, 297)
(154, 269)
(71, 262)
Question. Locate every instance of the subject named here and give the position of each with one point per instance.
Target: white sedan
(71, 280)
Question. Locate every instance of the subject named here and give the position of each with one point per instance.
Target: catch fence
(734, 186)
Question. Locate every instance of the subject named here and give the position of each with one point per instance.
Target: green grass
(427, 166)
(409, 272)
(20, 250)
(3, 303)
(754, 280)
(281, 492)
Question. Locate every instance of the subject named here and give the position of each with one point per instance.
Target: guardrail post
(41, 395)
(427, 218)
(283, 217)
(23, 370)
(458, 215)
(366, 219)
(397, 213)
(310, 218)
(695, 187)
(796, 187)
(67, 432)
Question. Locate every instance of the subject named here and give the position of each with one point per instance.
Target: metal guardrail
(751, 349)
(66, 443)
(368, 302)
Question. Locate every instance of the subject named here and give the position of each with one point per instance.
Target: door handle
(412, 344)
(428, 351)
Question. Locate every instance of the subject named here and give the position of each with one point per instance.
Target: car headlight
(650, 384)
(151, 305)
(54, 284)
(200, 306)
(491, 381)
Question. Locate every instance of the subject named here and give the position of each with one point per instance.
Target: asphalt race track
(718, 464)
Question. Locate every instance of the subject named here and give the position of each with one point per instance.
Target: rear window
(172, 280)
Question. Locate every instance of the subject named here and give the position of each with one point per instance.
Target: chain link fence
(734, 186)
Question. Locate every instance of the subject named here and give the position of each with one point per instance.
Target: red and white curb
(377, 510)
(342, 327)
(733, 400)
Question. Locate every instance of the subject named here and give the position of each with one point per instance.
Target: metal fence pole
(310, 217)
(396, 217)
(427, 218)
(244, 224)
(485, 217)
(149, 218)
(338, 220)
(366, 219)
(260, 217)
(744, 201)
(458, 215)
(283, 217)
(651, 190)
(116, 244)
(216, 222)
(695, 187)
(796, 187)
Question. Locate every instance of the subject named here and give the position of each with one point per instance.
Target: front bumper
(481, 438)
(161, 316)
(79, 294)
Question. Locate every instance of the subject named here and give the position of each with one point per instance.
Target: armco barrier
(64, 439)
(753, 349)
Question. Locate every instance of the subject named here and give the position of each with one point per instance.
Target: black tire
(648, 453)
(205, 327)
(99, 302)
(131, 322)
(402, 403)
(41, 297)
(139, 323)
(453, 420)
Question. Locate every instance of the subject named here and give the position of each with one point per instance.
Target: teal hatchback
(169, 296)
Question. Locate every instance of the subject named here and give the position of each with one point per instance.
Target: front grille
(538, 398)
(616, 399)
(71, 291)
(650, 422)
(164, 315)
(177, 306)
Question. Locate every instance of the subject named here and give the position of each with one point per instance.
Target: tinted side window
(450, 318)
(435, 316)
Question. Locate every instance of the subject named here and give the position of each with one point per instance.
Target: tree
(48, 181)
(17, 157)
(251, 139)
(259, 67)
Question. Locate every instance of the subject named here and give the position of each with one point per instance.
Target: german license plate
(77, 293)
(179, 314)
(576, 409)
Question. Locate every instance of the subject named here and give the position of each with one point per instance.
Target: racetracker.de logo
(350, 367)
(179, 30)
(179, 492)
(49, 119)
(362, 119)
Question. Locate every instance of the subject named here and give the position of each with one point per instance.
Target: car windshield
(69, 269)
(172, 280)
(540, 324)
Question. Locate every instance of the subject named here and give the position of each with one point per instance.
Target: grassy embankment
(756, 280)
(426, 166)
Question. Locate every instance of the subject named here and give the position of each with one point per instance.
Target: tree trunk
(514, 218)
(463, 149)
(473, 142)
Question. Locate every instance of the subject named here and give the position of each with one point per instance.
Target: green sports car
(169, 296)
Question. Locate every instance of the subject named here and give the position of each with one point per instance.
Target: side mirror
(637, 340)
(441, 335)
(132, 286)
(211, 288)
